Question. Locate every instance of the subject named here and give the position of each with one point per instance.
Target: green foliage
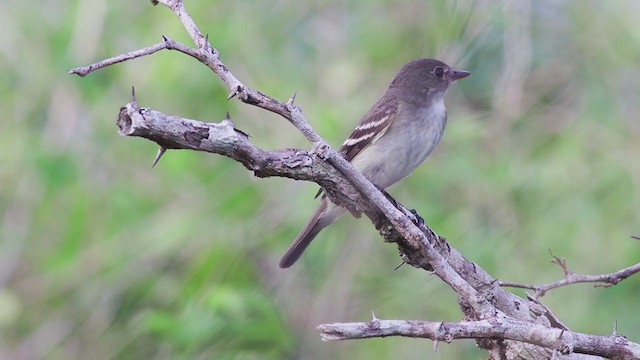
(103, 257)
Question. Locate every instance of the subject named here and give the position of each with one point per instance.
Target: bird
(392, 139)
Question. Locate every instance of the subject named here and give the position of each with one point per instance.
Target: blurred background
(103, 257)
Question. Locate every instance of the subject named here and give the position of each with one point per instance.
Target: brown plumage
(395, 136)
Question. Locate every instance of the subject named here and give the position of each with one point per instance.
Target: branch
(563, 341)
(174, 132)
(601, 280)
(86, 70)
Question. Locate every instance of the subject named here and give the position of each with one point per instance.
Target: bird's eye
(438, 72)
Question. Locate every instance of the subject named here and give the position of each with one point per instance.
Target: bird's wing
(372, 126)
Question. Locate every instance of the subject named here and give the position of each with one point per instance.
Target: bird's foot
(419, 221)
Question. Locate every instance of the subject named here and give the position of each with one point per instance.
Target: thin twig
(85, 70)
(601, 280)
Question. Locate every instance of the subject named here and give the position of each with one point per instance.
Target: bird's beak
(458, 74)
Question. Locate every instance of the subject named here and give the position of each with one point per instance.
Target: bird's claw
(419, 221)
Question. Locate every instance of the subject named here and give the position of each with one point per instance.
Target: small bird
(392, 139)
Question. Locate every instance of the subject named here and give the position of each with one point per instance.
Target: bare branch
(173, 132)
(85, 70)
(564, 341)
(602, 280)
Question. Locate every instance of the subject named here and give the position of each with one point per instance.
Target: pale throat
(438, 109)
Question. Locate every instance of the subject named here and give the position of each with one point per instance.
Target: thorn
(398, 267)
(435, 346)
(133, 94)
(635, 237)
(292, 99)
(159, 154)
(233, 93)
(227, 121)
(373, 316)
(615, 328)
(164, 38)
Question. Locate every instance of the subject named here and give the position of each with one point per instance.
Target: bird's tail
(323, 217)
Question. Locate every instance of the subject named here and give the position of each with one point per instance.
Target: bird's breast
(406, 144)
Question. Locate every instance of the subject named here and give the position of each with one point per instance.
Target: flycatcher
(395, 136)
